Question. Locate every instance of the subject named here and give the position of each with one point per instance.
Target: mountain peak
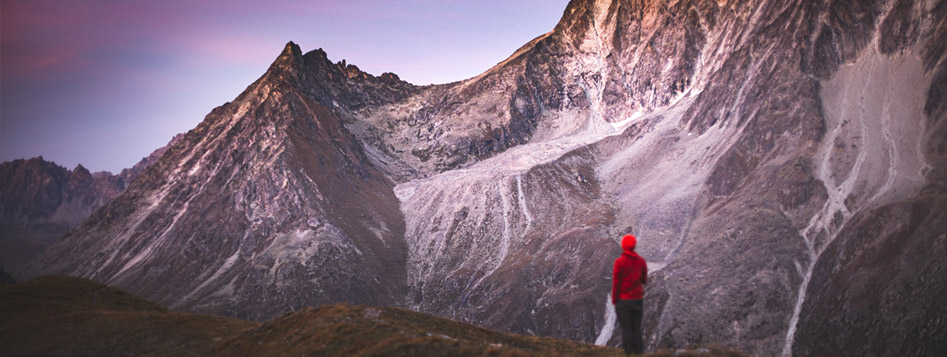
(290, 54)
(80, 168)
(291, 49)
(288, 60)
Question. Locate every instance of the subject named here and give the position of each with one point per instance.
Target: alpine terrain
(783, 164)
(40, 201)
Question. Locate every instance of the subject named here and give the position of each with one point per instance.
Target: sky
(104, 83)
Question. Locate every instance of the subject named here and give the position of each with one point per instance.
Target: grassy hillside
(364, 330)
(61, 315)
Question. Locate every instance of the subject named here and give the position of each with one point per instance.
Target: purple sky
(104, 83)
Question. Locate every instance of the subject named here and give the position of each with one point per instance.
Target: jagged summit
(292, 48)
(292, 57)
(288, 60)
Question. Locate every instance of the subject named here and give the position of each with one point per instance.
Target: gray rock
(774, 157)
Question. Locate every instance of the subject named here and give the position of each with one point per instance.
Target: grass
(383, 331)
(60, 315)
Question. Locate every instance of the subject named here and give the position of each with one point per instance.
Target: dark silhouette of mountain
(783, 163)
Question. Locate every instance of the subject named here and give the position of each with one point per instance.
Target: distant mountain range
(40, 201)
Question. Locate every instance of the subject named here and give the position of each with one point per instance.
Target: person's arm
(644, 274)
(615, 283)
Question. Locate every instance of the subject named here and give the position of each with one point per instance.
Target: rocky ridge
(40, 201)
(42, 196)
(756, 147)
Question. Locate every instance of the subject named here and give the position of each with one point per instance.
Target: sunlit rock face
(783, 163)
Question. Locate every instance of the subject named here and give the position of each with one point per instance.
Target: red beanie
(628, 242)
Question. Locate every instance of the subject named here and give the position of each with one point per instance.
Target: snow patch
(609, 327)
(522, 200)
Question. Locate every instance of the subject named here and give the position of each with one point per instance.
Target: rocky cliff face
(774, 157)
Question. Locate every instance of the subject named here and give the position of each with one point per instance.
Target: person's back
(628, 279)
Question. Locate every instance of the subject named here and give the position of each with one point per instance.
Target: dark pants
(629, 318)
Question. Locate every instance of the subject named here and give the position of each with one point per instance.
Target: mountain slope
(65, 315)
(59, 315)
(40, 201)
(755, 147)
(269, 193)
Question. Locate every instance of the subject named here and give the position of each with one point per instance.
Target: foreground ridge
(56, 315)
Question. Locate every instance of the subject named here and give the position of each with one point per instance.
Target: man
(628, 280)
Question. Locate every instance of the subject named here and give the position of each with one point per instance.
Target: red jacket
(629, 276)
